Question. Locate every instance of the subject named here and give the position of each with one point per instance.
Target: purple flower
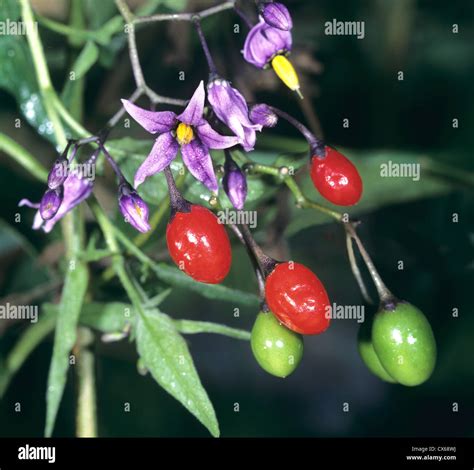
(235, 183)
(277, 15)
(190, 131)
(133, 208)
(264, 42)
(50, 202)
(262, 114)
(58, 173)
(231, 108)
(76, 189)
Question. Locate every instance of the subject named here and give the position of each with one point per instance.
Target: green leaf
(86, 59)
(165, 354)
(152, 5)
(75, 286)
(378, 191)
(107, 317)
(130, 154)
(25, 345)
(17, 76)
(9, 10)
(175, 277)
(191, 327)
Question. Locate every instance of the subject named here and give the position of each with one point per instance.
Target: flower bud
(235, 183)
(277, 15)
(133, 208)
(50, 202)
(262, 114)
(58, 173)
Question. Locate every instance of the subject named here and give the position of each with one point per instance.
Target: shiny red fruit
(336, 178)
(298, 298)
(199, 245)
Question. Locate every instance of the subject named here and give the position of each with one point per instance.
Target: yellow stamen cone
(287, 74)
(184, 134)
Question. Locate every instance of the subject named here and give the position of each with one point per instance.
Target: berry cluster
(398, 346)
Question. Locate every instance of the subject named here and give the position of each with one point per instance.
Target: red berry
(336, 178)
(298, 298)
(199, 245)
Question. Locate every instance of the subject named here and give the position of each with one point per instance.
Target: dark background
(342, 77)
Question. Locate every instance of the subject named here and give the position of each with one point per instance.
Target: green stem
(29, 340)
(86, 418)
(23, 157)
(42, 74)
(118, 262)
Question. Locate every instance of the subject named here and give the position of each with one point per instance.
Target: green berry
(404, 342)
(367, 353)
(277, 349)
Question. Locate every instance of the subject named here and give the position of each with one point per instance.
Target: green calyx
(277, 349)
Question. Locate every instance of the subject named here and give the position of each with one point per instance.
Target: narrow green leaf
(86, 59)
(166, 355)
(175, 277)
(25, 345)
(107, 317)
(191, 327)
(74, 289)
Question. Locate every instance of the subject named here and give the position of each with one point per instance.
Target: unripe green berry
(367, 353)
(404, 342)
(277, 349)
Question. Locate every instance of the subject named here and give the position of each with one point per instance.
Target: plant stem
(42, 74)
(86, 417)
(205, 47)
(356, 271)
(228, 5)
(118, 262)
(23, 157)
(382, 290)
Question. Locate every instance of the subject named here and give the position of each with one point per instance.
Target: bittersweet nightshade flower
(263, 114)
(50, 202)
(76, 190)
(276, 15)
(133, 208)
(234, 182)
(265, 46)
(231, 108)
(58, 173)
(188, 131)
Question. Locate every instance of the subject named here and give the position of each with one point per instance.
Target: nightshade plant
(292, 300)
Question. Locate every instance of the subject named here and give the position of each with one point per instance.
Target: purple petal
(163, 151)
(235, 184)
(133, 208)
(277, 15)
(212, 139)
(231, 108)
(50, 202)
(263, 42)
(76, 190)
(28, 203)
(153, 122)
(192, 114)
(198, 161)
(264, 115)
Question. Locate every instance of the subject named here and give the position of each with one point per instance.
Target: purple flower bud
(277, 15)
(133, 208)
(235, 183)
(58, 174)
(262, 114)
(51, 202)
